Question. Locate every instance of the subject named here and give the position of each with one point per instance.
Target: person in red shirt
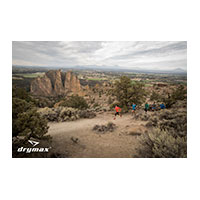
(118, 110)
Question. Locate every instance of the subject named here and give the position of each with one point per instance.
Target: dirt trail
(116, 144)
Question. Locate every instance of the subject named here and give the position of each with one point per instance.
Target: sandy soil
(116, 144)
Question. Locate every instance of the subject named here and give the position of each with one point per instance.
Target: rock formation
(55, 83)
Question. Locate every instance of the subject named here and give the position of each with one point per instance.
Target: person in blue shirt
(133, 108)
(162, 106)
(153, 106)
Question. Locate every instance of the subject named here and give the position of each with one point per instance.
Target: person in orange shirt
(118, 110)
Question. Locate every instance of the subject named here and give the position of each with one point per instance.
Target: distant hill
(103, 68)
(179, 70)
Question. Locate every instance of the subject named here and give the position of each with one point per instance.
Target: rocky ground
(104, 137)
(88, 134)
(97, 137)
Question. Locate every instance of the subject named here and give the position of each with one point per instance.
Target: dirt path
(116, 144)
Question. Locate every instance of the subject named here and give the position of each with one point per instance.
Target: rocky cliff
(55, 83)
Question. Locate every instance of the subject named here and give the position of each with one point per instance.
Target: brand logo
(34, 143)
(33, 149)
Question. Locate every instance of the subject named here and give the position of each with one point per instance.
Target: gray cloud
(144, 55)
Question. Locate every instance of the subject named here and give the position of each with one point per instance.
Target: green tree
(20, 106)
(31, 123)
(75, 101)
(21, 93)
(25, 119)
(127, 92)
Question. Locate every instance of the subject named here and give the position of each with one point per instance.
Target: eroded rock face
(41, 86)
(72, 83)
(55, 83)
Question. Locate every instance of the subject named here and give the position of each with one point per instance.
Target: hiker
(146, 107)
(162, 106)
(153, 106)
(118, 110)
(133, 108)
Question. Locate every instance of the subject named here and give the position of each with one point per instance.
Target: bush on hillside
(104, 128)
(75, 101)
(64, 114)
(178, 94)
(155, 96)
(167, 136)
(20, 106)
(26, 120)
(21, 93)
(161, 144)
(31, 123)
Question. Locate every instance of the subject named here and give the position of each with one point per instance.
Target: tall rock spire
(55, 83)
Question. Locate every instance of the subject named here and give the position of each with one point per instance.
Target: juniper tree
(25, 119)
(127, 92)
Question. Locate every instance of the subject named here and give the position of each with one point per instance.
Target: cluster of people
(153, 107)
(147, 108)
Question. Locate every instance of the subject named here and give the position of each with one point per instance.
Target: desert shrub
(145, 117)
(95, 105)
(49, 114)
(25, 119)
(141, 116)
(111, 126)
(180, 104)
(75, 101)
(20, 106)
(21, 93)
(175, 123)
(167, 136)
(127, 92)
(86, 114)
(26, 124)
(167, 115)
(177, 95)
(149, 124)
(64, 114)
(155, 96)
(31, 123)
(104, 128)
(161, 144)
(43, 102)
(168, 101)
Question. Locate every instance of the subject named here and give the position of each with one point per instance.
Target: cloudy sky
(129, 55)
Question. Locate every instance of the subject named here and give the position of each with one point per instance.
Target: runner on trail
(133, 108)
(153, 106)
(162, 106)
(146, 107)
(118, 110)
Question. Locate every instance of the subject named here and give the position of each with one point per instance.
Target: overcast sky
(143, 55)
